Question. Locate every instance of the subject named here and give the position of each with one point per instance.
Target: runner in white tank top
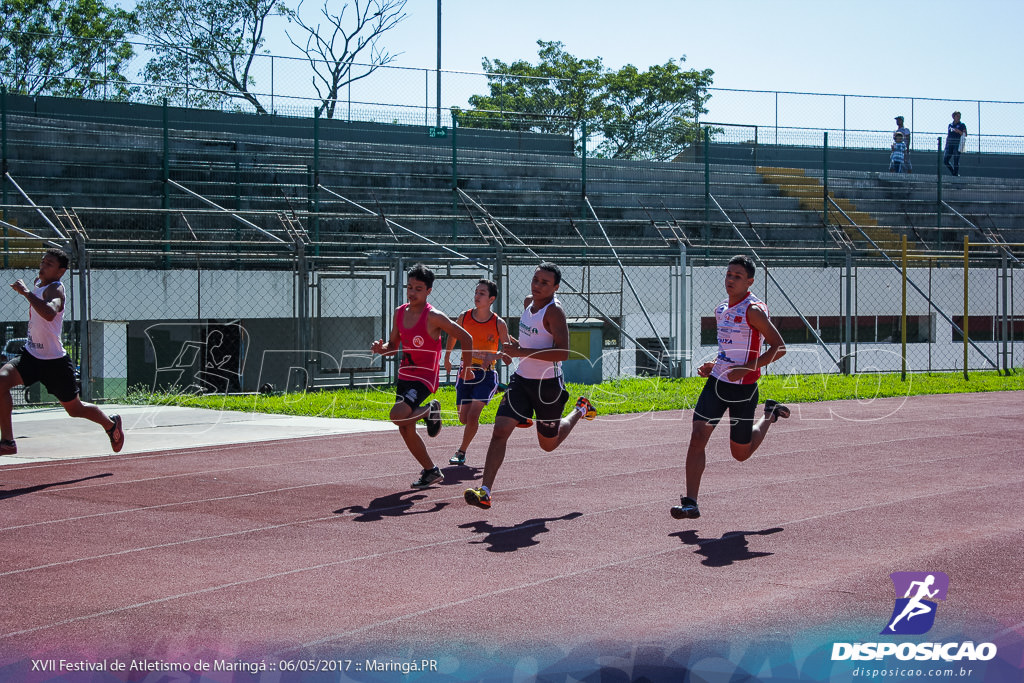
(742, 323)
(739, 343)
(44, 335)
(533, 336)
(44, 359)
(536, 389)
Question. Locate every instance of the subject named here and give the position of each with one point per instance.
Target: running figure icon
(915, 607)
(917, 597)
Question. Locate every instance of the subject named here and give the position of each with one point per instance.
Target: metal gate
(352, 311)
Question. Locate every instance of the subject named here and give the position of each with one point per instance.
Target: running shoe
(433, 418)
(428, 478)
(458, 459)
(116, 434)
(526, 424)
(587, 408)
(687, 509)
(774, 410)
(8, 447)
(478, 497)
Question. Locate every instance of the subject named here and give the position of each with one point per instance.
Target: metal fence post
(967, 245)
(1005, 331)
(824, 196)
(303, 323)
(316, 182)
(84, 314)
(455, 162)
(583, 158)
(499, 258)
(848, 322)
(903, 311)
(707, 189)
(165, 201)
(399, 287)
(3, 167)
(684, 318)
(938, 191)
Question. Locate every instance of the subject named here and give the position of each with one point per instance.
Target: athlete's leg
(79, 408)
(472, 412)
(565, 426)
(9, 378)
(405, 416)
(696, 456)
(503, 428)
(743, 451)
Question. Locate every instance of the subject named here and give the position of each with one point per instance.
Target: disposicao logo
(914, 614)
(916, 593)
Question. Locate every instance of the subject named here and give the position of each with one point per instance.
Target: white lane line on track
(374, 556)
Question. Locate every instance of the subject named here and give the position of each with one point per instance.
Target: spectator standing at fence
(44, 358)
(416, 332)
(742, 323)
(955, 135)
(489, 332)
(898, 154)
(537, 389)
(900, 128)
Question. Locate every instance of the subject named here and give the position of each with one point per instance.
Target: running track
(316, 549)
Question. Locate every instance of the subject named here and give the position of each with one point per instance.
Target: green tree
(633, 114)
(205, 49)
(70, 48)
(652, 114)
(332, 49)
(554, 96)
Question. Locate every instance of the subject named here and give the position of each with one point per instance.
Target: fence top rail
(858, 95)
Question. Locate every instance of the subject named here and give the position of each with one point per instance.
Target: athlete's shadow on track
(507, 539)
(461, 474)
(4, 495)
(393, 505)
(731, 547)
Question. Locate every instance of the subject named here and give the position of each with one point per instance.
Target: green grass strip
(621, 396)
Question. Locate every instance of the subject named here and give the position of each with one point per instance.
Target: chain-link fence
(310, 326)
(232, 252)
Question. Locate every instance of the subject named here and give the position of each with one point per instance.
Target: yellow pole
(967, 241)
(903, 315)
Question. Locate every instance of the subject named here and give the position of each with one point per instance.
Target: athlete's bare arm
(505, 339)
(451, 345)
(391, 347)
(438, 322)
(51, 303)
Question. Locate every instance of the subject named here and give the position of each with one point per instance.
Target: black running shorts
(411, 392)
(739, 399)
(57, 375)
(543, 399)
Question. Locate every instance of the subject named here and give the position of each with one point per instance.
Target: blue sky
(937, 48)
(945, 49)
(953, 50)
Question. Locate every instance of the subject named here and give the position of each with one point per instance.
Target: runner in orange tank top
(489, 331)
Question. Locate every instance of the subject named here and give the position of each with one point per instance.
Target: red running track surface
(317, 548)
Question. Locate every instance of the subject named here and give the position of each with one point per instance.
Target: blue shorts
(480, 388)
